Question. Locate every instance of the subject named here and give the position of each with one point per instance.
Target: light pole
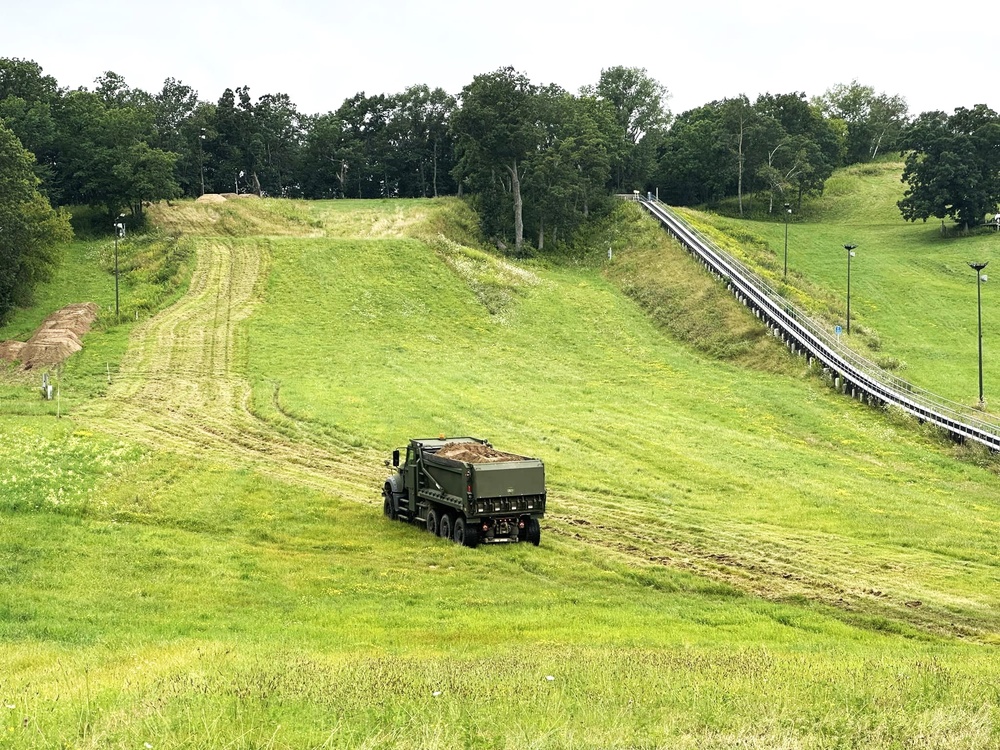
(980, 277)
(119, 232)
(788, 212)
(201, 159)
(850, 254)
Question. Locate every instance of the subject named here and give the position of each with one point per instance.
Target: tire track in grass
(179, 388)
(765, 560)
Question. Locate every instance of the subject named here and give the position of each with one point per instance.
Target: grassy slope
(154, 269)
(909, 282)
(183, 595)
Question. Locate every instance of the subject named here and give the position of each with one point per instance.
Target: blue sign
(839, 330)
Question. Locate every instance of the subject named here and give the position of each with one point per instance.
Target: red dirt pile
(475, 453)
(56, 338)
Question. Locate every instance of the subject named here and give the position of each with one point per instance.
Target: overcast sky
(937, 56)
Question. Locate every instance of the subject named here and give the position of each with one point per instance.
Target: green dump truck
(462, 488)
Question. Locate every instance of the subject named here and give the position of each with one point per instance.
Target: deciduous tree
(873, 121)
(30, 230)
(497, 129)
(639, 103)
(27, 101)
(952, 165)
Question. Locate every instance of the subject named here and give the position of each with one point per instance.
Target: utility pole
(850, 254)
(980, 277)
(788, 212)
(119, 233)
(201, 159)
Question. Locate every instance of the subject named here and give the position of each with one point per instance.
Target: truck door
(410, 477)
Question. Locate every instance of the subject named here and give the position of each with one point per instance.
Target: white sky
(936, 55)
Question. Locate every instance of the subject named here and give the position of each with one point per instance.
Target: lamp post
(788, 212)
(201, 159)
(980, 277)
(119, 232)
(850, 254)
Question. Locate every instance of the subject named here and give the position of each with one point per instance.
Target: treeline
(536, 159)
(779, 147)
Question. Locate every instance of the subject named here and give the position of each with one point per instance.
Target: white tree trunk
(515, 188)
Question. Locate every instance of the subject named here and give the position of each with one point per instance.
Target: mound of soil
(475, 453)
(211, 198)
(56, 338)
(11, 350)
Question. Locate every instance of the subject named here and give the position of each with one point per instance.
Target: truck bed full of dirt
(475, 453)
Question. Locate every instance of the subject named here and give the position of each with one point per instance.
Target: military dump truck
(462, 488)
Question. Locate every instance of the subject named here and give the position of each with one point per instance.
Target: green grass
(154, 269)
(734, 556)
(203, 605)
(910, 283)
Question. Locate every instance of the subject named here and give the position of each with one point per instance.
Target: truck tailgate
(508, 478)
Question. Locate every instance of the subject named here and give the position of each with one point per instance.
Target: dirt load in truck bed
(475, 453)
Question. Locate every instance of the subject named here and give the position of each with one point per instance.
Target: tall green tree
(231, 153)
(174, 108)
(568, 172)
(780, 146)
(370, 154)
(497, 130)
(105, 156)
(802, 151)
(952, 166)
(874, 121)
(277, 143)
(27, 102)
(695, 163)
(639, 103)
(418, 128)
(329, 152)
(740, 125)
(30, 230)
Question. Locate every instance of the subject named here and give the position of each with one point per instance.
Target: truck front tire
(389, 506)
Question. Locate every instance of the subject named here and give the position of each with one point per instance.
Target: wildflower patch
(57, 470)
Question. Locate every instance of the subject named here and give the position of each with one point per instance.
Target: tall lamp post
(850, 254)
(119, 232)
(201, 158)
(980, 277)
(788, 212)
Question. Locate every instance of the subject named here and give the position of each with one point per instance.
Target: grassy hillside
(196, 555)
(910, 283)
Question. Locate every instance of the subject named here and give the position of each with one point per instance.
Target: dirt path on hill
(179, 387)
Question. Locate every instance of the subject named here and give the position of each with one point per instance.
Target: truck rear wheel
(432, 521)
(446, 526)
(534, 531)
(465, 534)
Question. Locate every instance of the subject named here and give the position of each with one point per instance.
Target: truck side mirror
(395, 457)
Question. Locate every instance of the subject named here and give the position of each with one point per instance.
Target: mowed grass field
(734, 556)
(910, 282)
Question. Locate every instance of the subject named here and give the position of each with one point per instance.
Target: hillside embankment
(184, 387)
